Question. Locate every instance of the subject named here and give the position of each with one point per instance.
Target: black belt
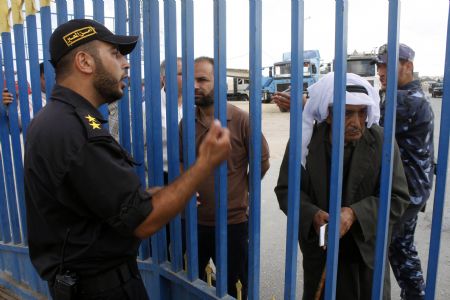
(108, 280)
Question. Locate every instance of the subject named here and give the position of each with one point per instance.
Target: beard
(205, 100)
(105, 84)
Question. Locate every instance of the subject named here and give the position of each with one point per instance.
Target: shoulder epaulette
(92, 125)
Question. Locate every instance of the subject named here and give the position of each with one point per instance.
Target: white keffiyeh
(321, 98)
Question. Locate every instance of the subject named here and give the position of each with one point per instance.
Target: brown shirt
(239, 125)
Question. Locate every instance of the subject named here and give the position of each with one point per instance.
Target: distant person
(414, 134)
(239, 125)
(363, 140)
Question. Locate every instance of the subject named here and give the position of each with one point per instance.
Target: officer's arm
(171, 200)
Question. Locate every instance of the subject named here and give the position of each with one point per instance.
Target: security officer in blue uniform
(414, 134)
(86, 209)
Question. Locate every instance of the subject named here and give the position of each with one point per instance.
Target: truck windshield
(284, 70)
(361, 67)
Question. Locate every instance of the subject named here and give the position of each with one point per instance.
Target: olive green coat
(361, 193)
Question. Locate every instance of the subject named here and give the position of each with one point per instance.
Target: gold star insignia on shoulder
(93, 122)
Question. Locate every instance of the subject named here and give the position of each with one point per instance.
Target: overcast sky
(423, 26)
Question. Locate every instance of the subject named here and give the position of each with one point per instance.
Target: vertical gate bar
(135, 86)
(187, 41)
(255, 27)
(340, 80)
(33, 54)
(61, 11)
(134, 10)
(220, 112)
(120, 18)
(295, 137)
(387, 153)
(153, 113)
(99, 16)
(173, 147)
(14, 157)
(78, 9)
(441, 178)
(46, 30)
(4, 142)
(21, 68)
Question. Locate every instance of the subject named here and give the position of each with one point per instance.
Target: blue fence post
(173, 153)
(78, 9)
(33, 54)
(124, 104)
(220, 112)
(387, 154)
(46, 29)
(441, 178)
(61, 11)
(187, 41)
(255, 27)
(340, 80)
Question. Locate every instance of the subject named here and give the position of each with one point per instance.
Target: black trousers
(237, 254)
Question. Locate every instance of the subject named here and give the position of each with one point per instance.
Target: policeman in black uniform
(86, 209)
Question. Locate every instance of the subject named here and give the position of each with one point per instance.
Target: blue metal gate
(178, 279)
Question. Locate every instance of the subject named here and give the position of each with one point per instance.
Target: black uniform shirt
(81, 190)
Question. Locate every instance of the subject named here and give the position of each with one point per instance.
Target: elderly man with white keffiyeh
(363, 140)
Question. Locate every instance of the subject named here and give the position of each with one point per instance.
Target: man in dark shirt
(414, 134)
(86, 209)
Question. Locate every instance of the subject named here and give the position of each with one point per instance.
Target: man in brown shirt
(237, 164)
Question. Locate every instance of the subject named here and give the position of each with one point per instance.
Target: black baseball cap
(77, 32)
(404, 53)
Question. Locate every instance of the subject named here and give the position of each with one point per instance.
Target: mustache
(353, 130)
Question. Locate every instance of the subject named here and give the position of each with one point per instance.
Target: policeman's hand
(282, 100)
(348, 217)
(153, 190)
(215, 147)
(320, 218)
(7, 97)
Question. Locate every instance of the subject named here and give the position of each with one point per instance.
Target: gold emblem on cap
(93, 122)
(78, 35)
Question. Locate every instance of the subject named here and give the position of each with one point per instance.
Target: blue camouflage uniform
(414, 135)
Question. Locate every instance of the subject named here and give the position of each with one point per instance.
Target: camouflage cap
(404, 53)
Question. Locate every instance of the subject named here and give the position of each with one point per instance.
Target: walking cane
(321, 285)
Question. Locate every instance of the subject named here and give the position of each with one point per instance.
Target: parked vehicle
(280, 74)
(437, 90)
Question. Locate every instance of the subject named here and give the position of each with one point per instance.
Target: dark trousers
(237, 254)
(405, 261)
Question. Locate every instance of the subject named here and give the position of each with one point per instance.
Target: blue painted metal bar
(187, 40)
(388, 150)
(46, 30)
(124, 104)
(255, 27)
(4, 183)
(153, 116)
(173, 147)
(441, 179)
(340, 79)
(78, 9)
(220, 113)
(99, 16)
(61, 11)
(16, 156)
(33, 54)
(297, 45)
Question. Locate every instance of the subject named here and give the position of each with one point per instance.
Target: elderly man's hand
(348, 217)
(7, 97)
(320, 218)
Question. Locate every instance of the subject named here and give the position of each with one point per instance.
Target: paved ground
(273, 236)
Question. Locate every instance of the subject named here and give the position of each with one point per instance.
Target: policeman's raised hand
(7, 97)
(319, 219)
(348, 217)
(215, 147)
